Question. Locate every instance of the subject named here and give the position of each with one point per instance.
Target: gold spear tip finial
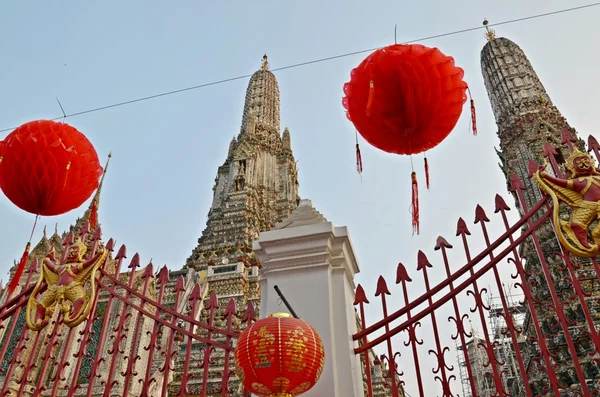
(490, 34)
(265, 63)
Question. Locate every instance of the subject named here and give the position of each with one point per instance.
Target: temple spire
(91, 214)
(262, 102)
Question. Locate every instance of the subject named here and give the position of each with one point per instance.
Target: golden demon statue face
(580, 164)
(76, 251)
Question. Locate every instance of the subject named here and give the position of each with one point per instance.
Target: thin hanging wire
(330, 58)
(37, 217)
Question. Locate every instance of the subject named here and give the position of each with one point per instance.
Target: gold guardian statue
(62, 286)
(581, 192)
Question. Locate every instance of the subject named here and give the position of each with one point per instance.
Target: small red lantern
(406, 99)
(279, 356)
(47, 168)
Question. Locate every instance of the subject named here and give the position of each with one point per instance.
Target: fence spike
(163, 275)
(515, 183)
(500, 204)
(382, 287)
(461, 228)
(135, 262)
(360, 296)
(179, 285)
(592, 143)
(213, 302)
(422, 261)
(442, 242)
(480, 215)
(149, 271)
(122, 254)
(533, 168)
(401, 275)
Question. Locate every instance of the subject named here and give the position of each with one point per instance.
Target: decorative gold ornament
(490, 34)
(581, 192)
(62, 286)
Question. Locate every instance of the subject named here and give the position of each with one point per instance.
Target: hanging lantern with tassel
(406, 99)
(47, 168)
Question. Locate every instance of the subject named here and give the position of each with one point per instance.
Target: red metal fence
(554, 351)
(144, 328)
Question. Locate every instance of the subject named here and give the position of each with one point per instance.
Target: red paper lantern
(406, 99)
(48, 168)
(279, 356)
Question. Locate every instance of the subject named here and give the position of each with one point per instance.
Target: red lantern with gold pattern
(406, 99)
(279, 356)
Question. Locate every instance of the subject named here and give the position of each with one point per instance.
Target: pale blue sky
(166, 151)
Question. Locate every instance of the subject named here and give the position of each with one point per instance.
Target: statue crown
(81, 246)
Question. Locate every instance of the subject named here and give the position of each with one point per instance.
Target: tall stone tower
(255, 188)
(527, 120)
(524, 112)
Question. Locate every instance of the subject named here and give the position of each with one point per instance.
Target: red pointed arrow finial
(213, 302)
(422, 261)
(110, 246)
(179, 285)
(230, 309)
(382, 287)
(515, 183)
(148, 271)
(533, 168)
(195, 293)
(135, 261)
(566, 136)
(500, 204)
(122, 253)
(402, 274)
(593, 143)
(163, 275)
(442, 243)
(548, 149)
(461, 228)
(360, 296)
(250, 313)
(480, 215)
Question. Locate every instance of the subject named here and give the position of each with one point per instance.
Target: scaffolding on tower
(504, 350)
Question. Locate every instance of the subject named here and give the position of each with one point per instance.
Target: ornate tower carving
(524, 112)
(257, 184)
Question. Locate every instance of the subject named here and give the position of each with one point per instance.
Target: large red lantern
(406, 99)
(279, 356)
(47, 168)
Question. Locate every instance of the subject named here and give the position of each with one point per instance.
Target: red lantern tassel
(20, 269)
(94, 215)
(473, 114)
(415, 203)
(370, 99)
(359, 165)
(426, 173)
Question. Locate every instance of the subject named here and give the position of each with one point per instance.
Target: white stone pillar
(313, 264)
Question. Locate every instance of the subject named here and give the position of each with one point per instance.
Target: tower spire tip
(490, 34)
